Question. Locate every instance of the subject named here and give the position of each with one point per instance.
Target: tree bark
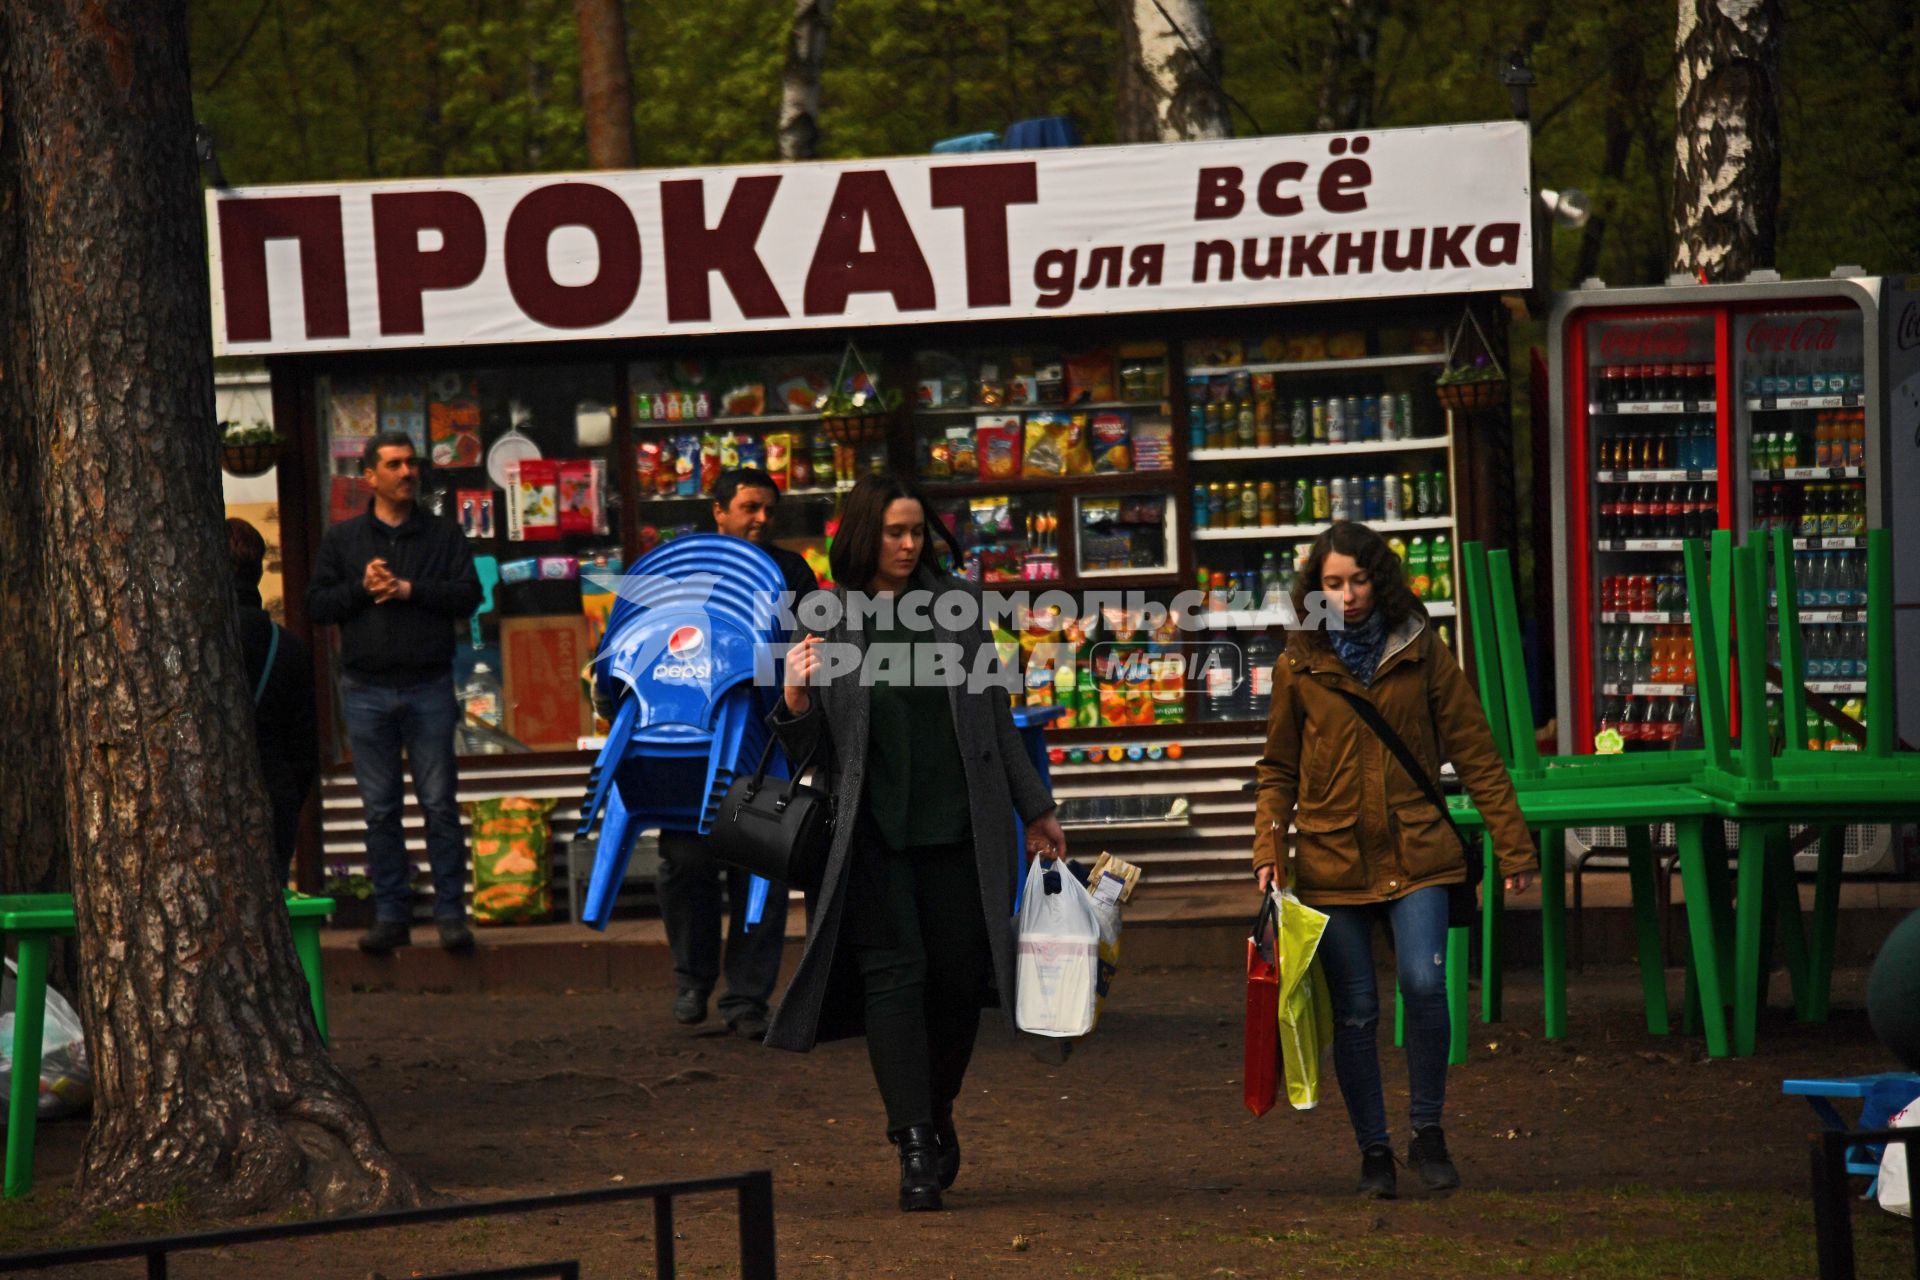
(210, 1079)
(606, 83)
(1346, 83)
(1726, 173)
(800, 79)
(33, 848)
(1169, 89)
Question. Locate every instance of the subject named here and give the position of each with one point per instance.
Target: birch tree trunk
(1726, 172)
(1169, 88)
(210, 1079)
(800, 80)
(606, 83)
(1346, 83)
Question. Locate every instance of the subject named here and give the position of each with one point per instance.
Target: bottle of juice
(1419, 567)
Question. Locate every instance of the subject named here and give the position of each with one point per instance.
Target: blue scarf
(1360, 647)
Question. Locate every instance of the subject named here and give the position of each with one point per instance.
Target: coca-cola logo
(1815, 333)
(1659, 342)
(1907, 334)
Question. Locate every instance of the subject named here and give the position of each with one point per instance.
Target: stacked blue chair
(693, 622)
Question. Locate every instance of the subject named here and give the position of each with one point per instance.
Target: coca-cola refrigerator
(1688, 408)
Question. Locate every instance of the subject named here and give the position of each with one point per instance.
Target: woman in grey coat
(912, 930)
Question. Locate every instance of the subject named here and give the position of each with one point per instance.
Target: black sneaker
(385, 936)
(1377, 1178)
(454, 934)
(690, 1007)
(1427, 1155)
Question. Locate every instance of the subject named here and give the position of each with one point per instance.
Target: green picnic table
(33, 920)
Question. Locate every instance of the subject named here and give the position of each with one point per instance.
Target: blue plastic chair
(1881, 1096)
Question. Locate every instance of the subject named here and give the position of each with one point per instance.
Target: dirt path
(1612, 1153)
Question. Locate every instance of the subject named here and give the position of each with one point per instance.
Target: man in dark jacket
(280, 681)
(689, 882)
(395, 580)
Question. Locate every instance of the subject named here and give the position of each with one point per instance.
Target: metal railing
(755, 1190)
(1833, 1196)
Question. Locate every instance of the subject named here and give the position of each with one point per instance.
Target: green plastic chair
(33, 920)
(1763, 794)
(1638, 792)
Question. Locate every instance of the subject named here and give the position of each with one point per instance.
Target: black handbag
(1460, 897)
(780, 830)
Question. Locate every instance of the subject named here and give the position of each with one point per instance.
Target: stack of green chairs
(1637, 792)
(1763, 794)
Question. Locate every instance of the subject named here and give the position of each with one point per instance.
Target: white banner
(924, 239)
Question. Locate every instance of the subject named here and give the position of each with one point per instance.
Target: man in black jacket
(395, 581)
(689, 882)
(280, 680)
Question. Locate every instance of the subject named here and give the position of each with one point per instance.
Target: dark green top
(916, 783)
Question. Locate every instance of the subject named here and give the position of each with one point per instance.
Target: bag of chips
(779, 455)
(1047, 440)
(1112, 442)
(999, 446)
(965, 459)
(511, 876)
(1079, 452)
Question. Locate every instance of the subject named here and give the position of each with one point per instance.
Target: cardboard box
(541, 659)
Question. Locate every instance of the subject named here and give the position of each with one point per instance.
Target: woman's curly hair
(1392, 597)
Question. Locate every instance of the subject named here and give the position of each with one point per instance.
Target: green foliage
(320, 90)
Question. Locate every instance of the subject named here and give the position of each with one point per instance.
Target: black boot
(919, 1167)
(949, 1162)
(1376, 1172)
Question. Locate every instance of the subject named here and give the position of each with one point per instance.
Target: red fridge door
(1646, 449)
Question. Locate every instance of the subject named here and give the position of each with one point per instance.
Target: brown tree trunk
(800, 80)
(1346, 81)
(1169, 86)
(1726, 172)
(606, 83)
(210, 1080)
(33, 848)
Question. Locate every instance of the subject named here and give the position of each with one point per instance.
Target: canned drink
(1319, 421)
(1422, 494)
(1406, 415)
(1202, 507)
(1370, 417)
(1350, 411)
(1375, 503)
(1249, 505)
(1336, 420)
(1438, 482)
(1389, 417)
(1322, 501)
(1337, 497)
(1408, 507)
(1302, 500)
(1230, 504)
(1390, 508)
(1300, 423)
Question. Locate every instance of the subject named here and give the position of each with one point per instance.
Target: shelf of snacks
(694, 419)
(1041, 418)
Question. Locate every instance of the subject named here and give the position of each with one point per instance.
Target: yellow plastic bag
(1306, 1008)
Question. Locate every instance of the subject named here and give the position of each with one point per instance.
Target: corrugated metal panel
(1211, 773)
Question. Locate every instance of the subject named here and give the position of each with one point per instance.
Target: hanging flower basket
(248, 449)
(1474, 378)
(855, 410)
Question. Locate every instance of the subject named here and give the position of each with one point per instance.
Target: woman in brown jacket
(1370, 846)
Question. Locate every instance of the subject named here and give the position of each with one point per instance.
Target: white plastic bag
(1059, 955)
(1896, 1189)
(66, 1082)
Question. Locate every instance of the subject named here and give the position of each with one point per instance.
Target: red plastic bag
(1262, 1067)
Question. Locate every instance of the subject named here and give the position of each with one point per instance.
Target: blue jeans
(420, 717)
(1419, 925)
